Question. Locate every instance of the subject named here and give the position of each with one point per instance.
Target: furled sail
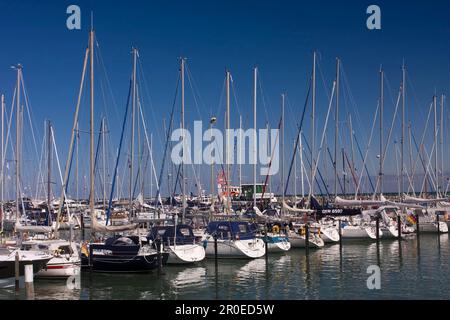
(409, 199)
(37, 229)
(344, 202)
(292, 209)
(97, 227)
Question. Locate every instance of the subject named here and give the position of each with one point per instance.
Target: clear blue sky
(278, 36)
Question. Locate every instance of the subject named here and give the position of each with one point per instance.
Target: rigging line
(421, 158)
(422, 138)
(60, 172)
(366, 153)
(320, 174)
(29, 112)
(233, 89)
(118, 154)
(334, 166)
(189, 76)
(299, 130)
(194, 84)
(389, 135)
(324, 131)
(263, 96)
(143, 82)
(38, 188)
(150, 148)
(105, 71)
(169, 129)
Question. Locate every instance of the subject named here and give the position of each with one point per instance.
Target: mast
(133, 123)
(381, 127)
(76, 164)
(255, 79)
(104, 161)
(240, 151)
(352, 145)
(91, 129)
(313, 132)
(282, 149)
(301, 164)
(151, 171)
(49, 166)
(183, 182)
(403, 130)
(295, 174)
(336, 129)
(435, 146)
(227, 134)
(441, 128)
(2, 182)
(19, 71)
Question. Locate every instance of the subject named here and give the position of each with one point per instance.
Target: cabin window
(185, 232)
(242, 228)
(65, 250)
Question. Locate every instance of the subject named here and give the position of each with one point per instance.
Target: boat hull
(118, 260)
(247, 249)
(359, 233)
(185, 254)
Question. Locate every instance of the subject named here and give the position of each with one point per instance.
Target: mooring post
(438, 226)
(340, 234)
(399, 227)
(17, 272)
(215, 248)
(266, 243)
(29, 285)
(82, 225)
(417, 224)
(307, 237)
(378, 228)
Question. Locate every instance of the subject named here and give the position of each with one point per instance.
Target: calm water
(413, 270)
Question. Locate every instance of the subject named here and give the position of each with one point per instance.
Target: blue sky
(277, 36)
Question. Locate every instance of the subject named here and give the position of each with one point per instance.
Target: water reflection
(411, 268)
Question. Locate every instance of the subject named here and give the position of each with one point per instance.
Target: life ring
(276, 229)
(302, 231)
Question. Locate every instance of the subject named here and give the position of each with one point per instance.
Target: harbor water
(416, 268)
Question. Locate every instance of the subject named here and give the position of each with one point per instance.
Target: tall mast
(295, 173)
(282, 149)
(240, 151)
(228, 151)
(91, 158)
(441, 128)
(104, 161)
(301, 165)
(133, 123)
(151, 171)
(403, 130)
(49, 166)
(255, 79)
(76, 164)
(2, 185)
(183, 181)
(336, 128)
(435, 145)
(381, 127)
(19, 71)
(352, 144)
(313, 132)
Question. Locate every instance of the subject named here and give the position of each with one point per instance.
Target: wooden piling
(29, 285)
(307, 237)
(17, 272)
(378, 228)
(399, 227)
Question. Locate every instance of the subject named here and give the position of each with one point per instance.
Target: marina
(138, 189)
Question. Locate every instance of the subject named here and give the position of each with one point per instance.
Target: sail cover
(292, 209)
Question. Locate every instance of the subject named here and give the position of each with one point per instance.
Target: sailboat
(118, 253)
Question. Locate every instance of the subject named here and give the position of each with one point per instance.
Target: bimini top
(184, 234)
(239, 230)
